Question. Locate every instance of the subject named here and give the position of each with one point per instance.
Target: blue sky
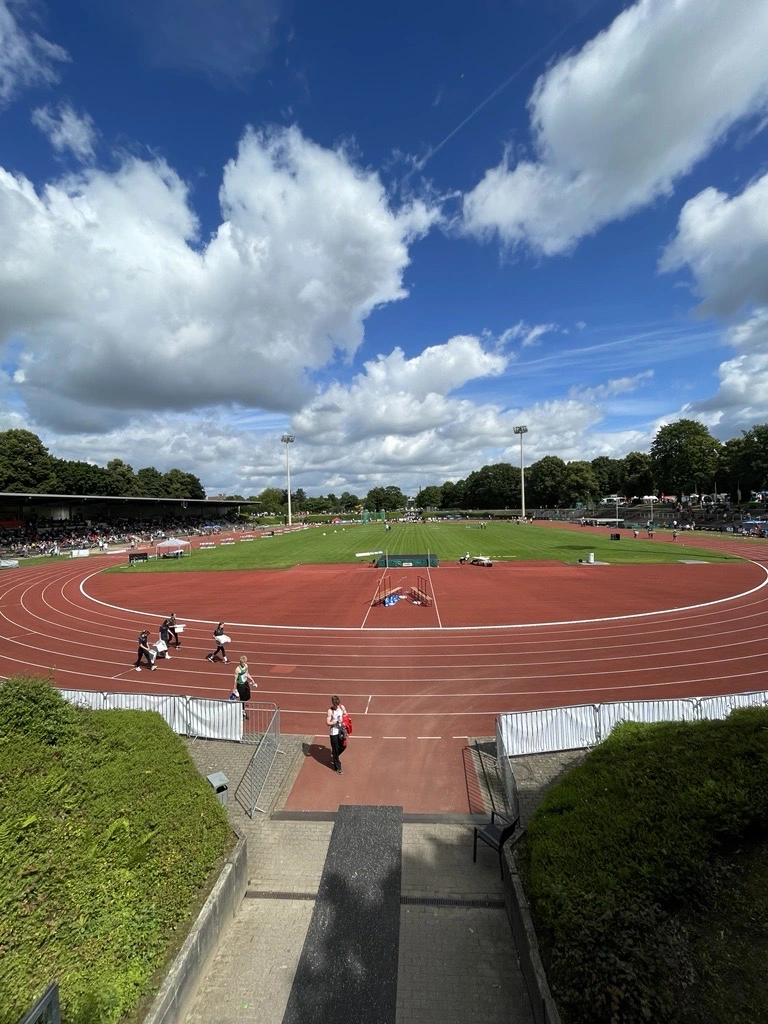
(394, 232)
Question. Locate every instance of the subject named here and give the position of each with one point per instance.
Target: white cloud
(67, 130)
(616, 124)
(611, 388)
(724, 243)
(117, 306)
(529, 335)
(26, 59)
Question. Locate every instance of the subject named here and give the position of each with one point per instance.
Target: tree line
(27, 467)
(684, 458)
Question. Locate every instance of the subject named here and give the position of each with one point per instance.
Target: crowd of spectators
(58, 536)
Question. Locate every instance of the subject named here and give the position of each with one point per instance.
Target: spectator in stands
(144, 652)
(333, 719)
(220, 649)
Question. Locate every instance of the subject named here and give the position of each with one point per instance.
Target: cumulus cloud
(67, 130)
(618, 123)
(724, 243)
(26, 59)
(117, 305)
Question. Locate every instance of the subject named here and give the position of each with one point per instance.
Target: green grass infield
(448, 540)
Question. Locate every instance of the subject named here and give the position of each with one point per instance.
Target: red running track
(415, 691)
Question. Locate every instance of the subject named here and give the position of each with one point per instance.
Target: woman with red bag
(338, 732)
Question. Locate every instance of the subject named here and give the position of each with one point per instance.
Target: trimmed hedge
(619, 845)
(107, 834)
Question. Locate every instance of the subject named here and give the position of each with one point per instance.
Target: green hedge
(107, 834)
(619, 844)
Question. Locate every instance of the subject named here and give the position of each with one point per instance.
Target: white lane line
(393, 737)
(370, 698)
(429, 737)
(460, 737)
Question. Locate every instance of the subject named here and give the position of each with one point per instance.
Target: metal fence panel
(538, 732)
(215, 719)
(165, 706)
(721, 707)
(507, 774)
(609, 715)
(46, 1010)
(92, 699)
(252, 784)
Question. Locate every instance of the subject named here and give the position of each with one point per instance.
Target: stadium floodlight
(521, 431)
(287, 440)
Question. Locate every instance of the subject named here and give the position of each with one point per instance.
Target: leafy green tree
(26, 465)
(729, 466)
(375, 500)
(753, 461)
(452, 494)
(494, 486)
(684, 456)
(545, 482)
(79, 478)
(272, 500)
(349, 502)
(580, 483)
(636, 476)
(182, 485)
(298, 498)
(119, 479)
(394, 499)
(149, 483)
(607, 474)
(429, 497)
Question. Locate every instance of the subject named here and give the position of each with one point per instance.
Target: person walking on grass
(218, 633)
(335, 714)
(243, 683)
(144, 652)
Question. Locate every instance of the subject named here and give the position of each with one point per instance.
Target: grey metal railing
(262, 727)
(46, 1009)
(507, 775)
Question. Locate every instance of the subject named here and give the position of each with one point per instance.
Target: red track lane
(408, 690)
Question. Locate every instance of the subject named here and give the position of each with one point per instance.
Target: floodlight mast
(521, 430)
(287, 440)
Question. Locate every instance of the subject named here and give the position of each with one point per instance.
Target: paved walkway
(457, 961)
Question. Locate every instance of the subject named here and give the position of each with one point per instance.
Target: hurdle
(420, 593)
(385, 589)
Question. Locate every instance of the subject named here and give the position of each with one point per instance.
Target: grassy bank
(447, 540)
(621, 853)
(107, 834)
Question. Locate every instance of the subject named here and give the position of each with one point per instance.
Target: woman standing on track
(335, 714)
(243, 683)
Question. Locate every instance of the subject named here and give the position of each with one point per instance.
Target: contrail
(421, 164)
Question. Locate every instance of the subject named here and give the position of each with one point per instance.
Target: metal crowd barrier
(577, 726)
(46, 1010)
(263, 728)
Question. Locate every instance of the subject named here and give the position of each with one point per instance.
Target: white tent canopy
(173, 546)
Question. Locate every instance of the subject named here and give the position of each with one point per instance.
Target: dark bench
(137, 556)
